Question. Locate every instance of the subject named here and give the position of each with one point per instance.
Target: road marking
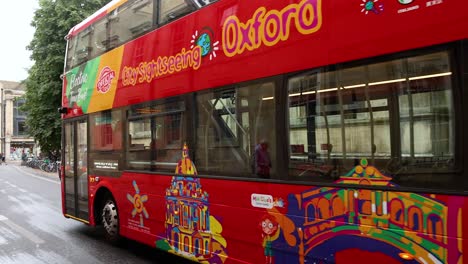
(12, 185)
(37, 177)
(29, 235)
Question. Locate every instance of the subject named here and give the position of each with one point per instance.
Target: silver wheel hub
(110, 218)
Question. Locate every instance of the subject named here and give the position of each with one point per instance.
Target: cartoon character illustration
(270, 232)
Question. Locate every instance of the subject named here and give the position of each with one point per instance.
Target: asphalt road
(33, 229)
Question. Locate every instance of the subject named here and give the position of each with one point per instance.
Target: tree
(52, 22)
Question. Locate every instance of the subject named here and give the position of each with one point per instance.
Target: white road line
(37, 177)
(29, 235)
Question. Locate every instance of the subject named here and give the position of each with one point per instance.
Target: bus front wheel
(110, 220)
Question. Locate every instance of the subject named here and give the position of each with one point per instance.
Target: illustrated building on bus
(188, 216)
(397, 221)
(191, 230)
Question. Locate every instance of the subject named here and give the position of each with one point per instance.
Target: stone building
(14, 136)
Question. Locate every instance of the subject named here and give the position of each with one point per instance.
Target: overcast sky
(15, 34)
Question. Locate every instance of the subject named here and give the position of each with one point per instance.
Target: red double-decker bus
(271, 131)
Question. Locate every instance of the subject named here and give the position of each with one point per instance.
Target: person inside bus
(262, 160)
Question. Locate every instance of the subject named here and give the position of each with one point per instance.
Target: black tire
(110, 220)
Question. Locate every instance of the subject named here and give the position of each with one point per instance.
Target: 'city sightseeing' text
(147, 71)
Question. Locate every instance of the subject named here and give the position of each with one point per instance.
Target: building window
(19, 124)
(20, 128)
(16, 108)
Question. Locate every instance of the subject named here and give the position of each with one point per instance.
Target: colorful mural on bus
(190, 229)
(328, 225)
(320, 224)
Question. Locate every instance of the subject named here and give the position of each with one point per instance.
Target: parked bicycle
(44, 165)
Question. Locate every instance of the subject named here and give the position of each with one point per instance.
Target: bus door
(76, 171)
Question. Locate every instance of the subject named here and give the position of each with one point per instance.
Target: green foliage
(52, 22)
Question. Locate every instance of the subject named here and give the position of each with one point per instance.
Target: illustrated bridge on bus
(396, 221)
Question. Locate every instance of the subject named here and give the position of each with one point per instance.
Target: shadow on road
(139, 250)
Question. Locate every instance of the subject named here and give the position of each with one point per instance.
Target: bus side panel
(222, 221)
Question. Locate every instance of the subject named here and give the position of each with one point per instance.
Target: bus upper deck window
(172, 9)
(202, 3)
(130, 21)
(71, 59)
(99, 39)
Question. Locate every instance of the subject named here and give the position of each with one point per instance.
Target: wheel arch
(99, 200)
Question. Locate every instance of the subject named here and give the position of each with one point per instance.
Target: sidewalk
(31, 170)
